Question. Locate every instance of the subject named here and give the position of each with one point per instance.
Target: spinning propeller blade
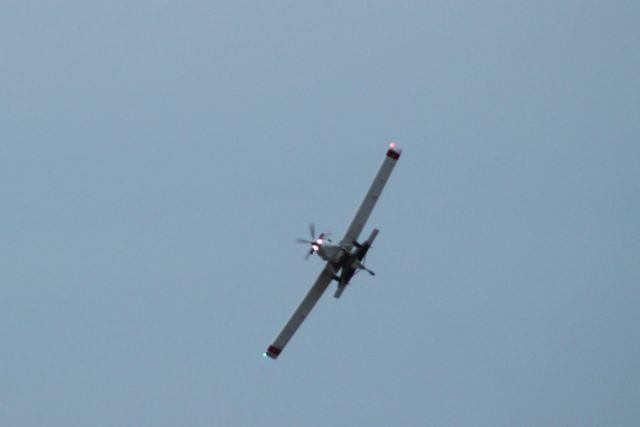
(314, 242)
(306, 257)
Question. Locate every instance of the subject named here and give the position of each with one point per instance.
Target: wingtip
(393, 151)
(272, 352)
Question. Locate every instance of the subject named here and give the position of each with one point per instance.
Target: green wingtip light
(264, 355)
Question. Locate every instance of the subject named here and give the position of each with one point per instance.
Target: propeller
(315, 243)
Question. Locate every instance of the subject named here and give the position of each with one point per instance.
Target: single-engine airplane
(344, 260)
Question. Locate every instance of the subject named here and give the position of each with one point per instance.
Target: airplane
(344, 260)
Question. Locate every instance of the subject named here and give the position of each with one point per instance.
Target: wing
(303, 310)
(369, 202)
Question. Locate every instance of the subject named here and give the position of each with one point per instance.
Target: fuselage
(344, 262)
(331, 252)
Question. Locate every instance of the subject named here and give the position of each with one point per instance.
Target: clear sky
(158, 159)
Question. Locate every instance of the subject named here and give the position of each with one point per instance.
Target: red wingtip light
(392, 145)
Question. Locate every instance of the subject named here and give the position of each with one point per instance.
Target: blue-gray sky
(158, 159)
